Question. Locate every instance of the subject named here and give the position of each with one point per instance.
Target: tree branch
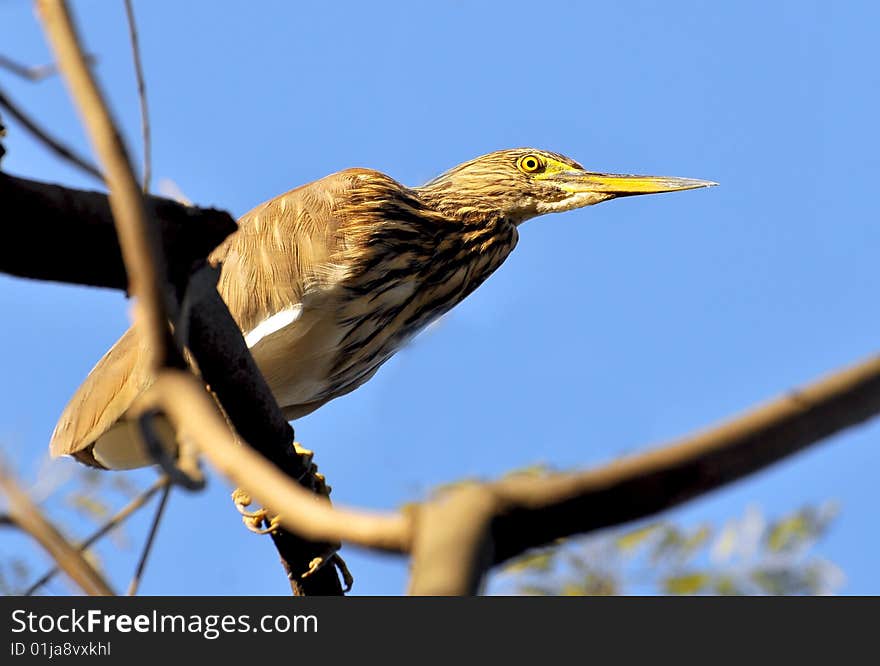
(60, 149)
(67, 235)
(456, 537)
(529, 511)
(142, 94)
(188, 406)
(117, 519)
(148, 544)
(24, 513)
(33, 72)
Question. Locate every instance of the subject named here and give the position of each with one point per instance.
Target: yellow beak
(622, 185)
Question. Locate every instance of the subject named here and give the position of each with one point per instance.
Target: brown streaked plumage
(328, 280)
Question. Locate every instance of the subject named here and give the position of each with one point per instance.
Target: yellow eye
(531, 164)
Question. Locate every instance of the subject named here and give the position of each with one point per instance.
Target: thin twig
(64, 152)
(30, 519)
(142, 94)
(148, 544)
(34, 72)
(108, 526)
(140, 249)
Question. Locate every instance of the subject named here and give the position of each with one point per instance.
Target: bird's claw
(257, 521)
(318, 482)
(332, 557)
(307, 455)
(260, 522)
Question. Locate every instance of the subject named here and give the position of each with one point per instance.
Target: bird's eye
(531, 164)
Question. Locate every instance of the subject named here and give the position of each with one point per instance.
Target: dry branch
(644, 484)
(456, 537)
(117, 519)
(526, 511)
(27, 516)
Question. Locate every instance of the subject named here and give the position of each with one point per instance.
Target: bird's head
(524, 182)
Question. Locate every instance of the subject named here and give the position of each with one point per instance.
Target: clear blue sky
(609, 329)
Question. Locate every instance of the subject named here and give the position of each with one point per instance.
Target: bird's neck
(455, 206)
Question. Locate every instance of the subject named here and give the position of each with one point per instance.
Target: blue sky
(608, 330)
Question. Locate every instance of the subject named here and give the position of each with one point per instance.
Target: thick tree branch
(536, 511)
(229, 369)
(67, 235)
(528, 511)
(452, 542)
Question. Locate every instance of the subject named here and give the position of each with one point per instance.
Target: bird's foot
(317, 482)
(306, 454)
(259, 521)
(332, 556)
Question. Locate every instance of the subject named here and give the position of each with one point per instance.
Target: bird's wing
(281, 250)
(113, 384)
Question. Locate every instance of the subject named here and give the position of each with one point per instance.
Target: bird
(327, 281)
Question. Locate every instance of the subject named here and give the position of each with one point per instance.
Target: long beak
(623, 185)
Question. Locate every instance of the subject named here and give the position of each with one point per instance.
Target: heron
(329, 280)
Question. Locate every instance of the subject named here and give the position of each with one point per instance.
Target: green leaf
(789, 533)
(690, 583)
(669, 545)
(600, 585)
(695, 540)
(537, 590)
(725, 585)
(536, 469)
(541, 560)
(631, 540)
(93, 507)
